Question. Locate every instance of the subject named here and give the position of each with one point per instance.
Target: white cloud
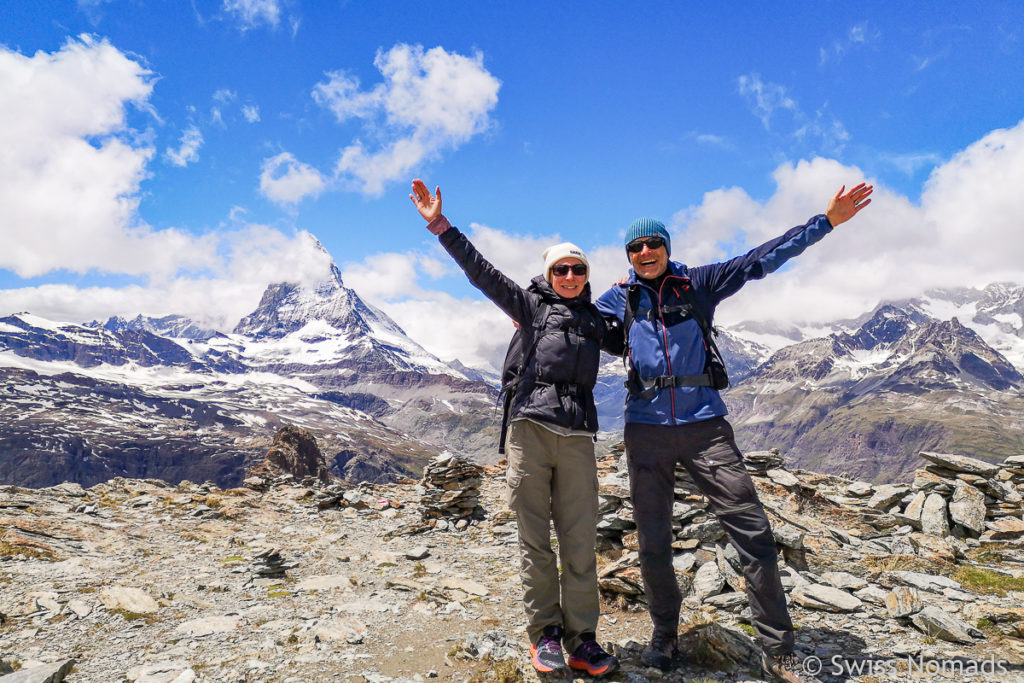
(252, 13)
(191, 141)
(781, 114)
(965, 232)
(287, 180)
(70, 168)
(251, 113)
(430, 101)
(250, 257)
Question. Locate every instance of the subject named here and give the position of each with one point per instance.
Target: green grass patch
(987, 581)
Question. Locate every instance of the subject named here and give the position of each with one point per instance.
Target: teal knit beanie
(649, 227)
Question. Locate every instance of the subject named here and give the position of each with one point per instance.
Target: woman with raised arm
(550, 375)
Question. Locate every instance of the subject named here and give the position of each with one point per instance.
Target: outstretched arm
(428, 206)
(842, 207)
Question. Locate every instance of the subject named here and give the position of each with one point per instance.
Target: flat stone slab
(933, 583)
(128, 599)
(820, 596)
(961, 463)
(938, 623)
(47, 673)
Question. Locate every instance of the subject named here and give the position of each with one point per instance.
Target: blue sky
(177, 157)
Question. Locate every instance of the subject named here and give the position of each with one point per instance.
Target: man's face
(648, 263)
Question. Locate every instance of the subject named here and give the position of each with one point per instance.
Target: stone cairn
(955, 503)
(450, 492)
(269, 564)
(952, 495)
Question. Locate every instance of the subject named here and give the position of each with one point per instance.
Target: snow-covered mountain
(168, 398)
(937, 372)
(868, 400)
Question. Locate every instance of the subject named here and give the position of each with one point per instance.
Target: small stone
(902, 601)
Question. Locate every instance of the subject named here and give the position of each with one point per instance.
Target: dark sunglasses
(652, 243)
(562, 269)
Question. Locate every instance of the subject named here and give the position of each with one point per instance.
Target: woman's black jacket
(557, 384)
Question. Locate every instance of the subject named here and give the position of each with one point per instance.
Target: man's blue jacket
(666, 342)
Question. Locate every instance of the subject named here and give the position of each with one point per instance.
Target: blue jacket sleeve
(720, 280)
(495, 285)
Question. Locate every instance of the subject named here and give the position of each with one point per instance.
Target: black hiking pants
(708, 451)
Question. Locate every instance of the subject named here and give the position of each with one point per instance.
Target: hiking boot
(546, 654)
(662, 650)
(790, 668)
(592, 658)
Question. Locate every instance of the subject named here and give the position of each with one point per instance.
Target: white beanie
(553, 255)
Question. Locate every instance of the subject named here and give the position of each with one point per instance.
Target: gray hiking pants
(554, 478)
(708, 451)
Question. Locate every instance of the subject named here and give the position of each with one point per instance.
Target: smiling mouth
(648, 263)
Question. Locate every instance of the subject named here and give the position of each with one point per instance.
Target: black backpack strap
(714, 374)
(528, 341)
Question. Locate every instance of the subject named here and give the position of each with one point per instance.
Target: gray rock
(968, 507)
(46, 673)
(916, 506)
(728, 600)
(683, 562)
(902, 601)
(820, 596)
(938, 623)
(844, 581)
(887, 495)
(128, 599)
(933, 583)
(934, 520)
(789, 536)
(961, 463)
(859, 489)
(175, 671)
(708, 581)
(783, 478)
(872, 594)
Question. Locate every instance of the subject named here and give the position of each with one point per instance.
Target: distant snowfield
(153, 376)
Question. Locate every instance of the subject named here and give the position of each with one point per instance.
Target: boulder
(934, 519)
(968, 507)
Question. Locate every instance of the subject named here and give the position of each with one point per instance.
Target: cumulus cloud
(287, 180)
(251, 113)
(964, 232)
(249, 257)
(472, 330)
(188, 151)
(430, 101)
(70, 167)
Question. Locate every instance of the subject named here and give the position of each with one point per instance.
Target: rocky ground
(139, 580)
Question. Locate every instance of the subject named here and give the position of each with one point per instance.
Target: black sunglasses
(562, 269)
(652, 243)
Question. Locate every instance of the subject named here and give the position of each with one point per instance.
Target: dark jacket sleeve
(611, 306)
(719, 280)
(495, 285)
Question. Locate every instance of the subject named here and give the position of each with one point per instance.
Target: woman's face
(568, 284)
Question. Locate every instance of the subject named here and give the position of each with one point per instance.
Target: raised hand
(428, 206)
(843, 207)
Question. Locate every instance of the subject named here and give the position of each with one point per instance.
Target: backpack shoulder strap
(528, 344)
